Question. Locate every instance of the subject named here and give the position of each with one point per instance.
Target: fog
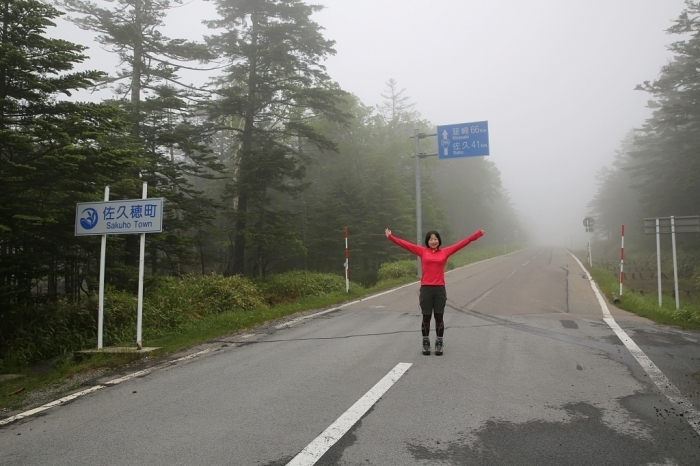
(554, 78)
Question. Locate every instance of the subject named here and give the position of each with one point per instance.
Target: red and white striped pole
(622, 260)
(347, 264)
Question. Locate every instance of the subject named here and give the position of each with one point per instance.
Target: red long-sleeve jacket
(433, 262)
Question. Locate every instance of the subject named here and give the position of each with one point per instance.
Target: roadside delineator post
(588, 222)
(347, 263)
(622, 260)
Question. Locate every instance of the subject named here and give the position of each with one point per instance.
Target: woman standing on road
(433, 296)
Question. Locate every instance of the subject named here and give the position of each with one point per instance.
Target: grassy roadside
(687, 317)
(64, 374)
(232, 322)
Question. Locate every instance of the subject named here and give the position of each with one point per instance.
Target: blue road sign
(463, 140)
(119, 217)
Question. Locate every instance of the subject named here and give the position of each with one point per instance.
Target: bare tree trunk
(136, 72)
(246, 154)
(131, 243)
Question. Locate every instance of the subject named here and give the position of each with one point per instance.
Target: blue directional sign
(463, 140)
(119, 217)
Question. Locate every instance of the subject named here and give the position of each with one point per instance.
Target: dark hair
(431, 233)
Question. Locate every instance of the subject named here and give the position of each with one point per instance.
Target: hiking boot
(426, 346)
(438, 346)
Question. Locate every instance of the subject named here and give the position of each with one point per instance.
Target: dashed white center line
(317, 448)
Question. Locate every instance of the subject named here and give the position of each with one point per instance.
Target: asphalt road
(531, 375)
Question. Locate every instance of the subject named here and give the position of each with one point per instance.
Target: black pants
(432, 300)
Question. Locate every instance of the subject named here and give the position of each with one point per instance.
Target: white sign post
(129, 216)
(142, 254)
(672, 225)
(100, 313)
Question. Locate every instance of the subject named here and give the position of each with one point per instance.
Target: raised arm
(408, 246)
(457, 246)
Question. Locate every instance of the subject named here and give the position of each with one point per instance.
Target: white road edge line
(321, 444)
(58, 402)
(94, 388)
(691, 414)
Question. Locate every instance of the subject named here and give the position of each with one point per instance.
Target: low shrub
(45, 330)
(290, 286)
(52, 329)
(177, 301)
(398, 269)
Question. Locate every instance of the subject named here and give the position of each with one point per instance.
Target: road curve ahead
(534, 372)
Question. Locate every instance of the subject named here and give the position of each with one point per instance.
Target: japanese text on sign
(463, 140)
(119, 217)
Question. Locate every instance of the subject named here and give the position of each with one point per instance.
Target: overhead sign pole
(455, 141)
(417, 136)
(419, 207)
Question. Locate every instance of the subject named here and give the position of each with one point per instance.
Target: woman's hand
(387, 232)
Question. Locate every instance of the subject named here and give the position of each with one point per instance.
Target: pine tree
(275, 85)
(668, 145)
(53, 153)
(617, 200)
(163, 113)
(396, 109)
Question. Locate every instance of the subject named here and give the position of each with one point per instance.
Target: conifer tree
(53, 153)
(162, 110)
(275, 85)
(667, 147)
(617, 200)
(396, 107)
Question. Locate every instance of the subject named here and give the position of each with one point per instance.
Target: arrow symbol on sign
(445, 143)
(444, 134)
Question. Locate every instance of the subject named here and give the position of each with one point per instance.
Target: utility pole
(419, 216)
(417, 136)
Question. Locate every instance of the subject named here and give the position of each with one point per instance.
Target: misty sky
(554, 78)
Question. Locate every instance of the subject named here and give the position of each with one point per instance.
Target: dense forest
(656, 171)
(261, 169)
